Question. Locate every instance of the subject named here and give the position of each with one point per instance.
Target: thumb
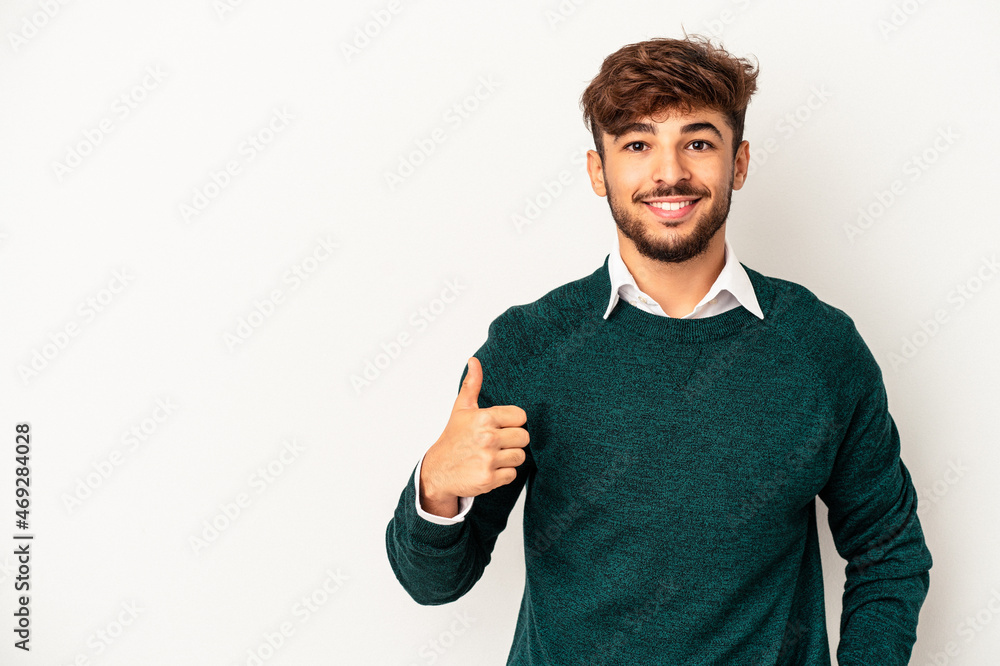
(468, 394)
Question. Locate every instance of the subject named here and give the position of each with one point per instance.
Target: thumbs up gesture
(477, 451)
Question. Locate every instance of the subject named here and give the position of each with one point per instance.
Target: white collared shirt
(731, 289)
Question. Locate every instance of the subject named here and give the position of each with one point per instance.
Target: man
(673, 416)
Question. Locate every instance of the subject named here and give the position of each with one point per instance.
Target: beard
(672, 247)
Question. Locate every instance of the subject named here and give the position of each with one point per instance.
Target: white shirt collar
(733, 279)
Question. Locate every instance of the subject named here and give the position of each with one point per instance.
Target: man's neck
(676, 287)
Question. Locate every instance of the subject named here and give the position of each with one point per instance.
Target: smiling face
(669, 181)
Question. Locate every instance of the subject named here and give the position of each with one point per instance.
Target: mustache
(676, 191)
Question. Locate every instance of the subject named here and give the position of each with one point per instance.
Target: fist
(478, 449)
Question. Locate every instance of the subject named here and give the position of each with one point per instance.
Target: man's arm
(873, 517)
(464, 503)
(438, 563)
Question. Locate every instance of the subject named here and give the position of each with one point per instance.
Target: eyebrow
(649, 128)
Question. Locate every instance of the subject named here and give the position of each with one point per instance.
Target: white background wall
(894, 76)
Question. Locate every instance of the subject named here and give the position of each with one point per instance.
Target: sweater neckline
(672, 329)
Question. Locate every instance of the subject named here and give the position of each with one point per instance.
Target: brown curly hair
(660, 74)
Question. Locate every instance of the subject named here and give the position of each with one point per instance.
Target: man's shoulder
(534, 325)
(809, 324)
(795, 304)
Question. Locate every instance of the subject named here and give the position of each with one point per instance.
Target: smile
(672, 210)
(667, 205)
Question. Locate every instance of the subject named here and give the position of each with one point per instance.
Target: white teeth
(666, 205)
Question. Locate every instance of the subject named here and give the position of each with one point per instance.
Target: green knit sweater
(672, 477)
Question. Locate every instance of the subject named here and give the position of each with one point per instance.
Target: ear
(595, 169)
(741, 165)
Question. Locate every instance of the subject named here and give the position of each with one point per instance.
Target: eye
(633, 143)
(706, 145)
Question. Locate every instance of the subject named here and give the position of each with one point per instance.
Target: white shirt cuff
(464, 503)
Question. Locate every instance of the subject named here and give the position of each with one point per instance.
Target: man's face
(669, 180)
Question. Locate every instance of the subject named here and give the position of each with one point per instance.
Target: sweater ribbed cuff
(423, 532)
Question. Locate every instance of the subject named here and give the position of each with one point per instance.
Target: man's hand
(477, 451)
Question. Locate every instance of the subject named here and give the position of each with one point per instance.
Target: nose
(670, 167)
